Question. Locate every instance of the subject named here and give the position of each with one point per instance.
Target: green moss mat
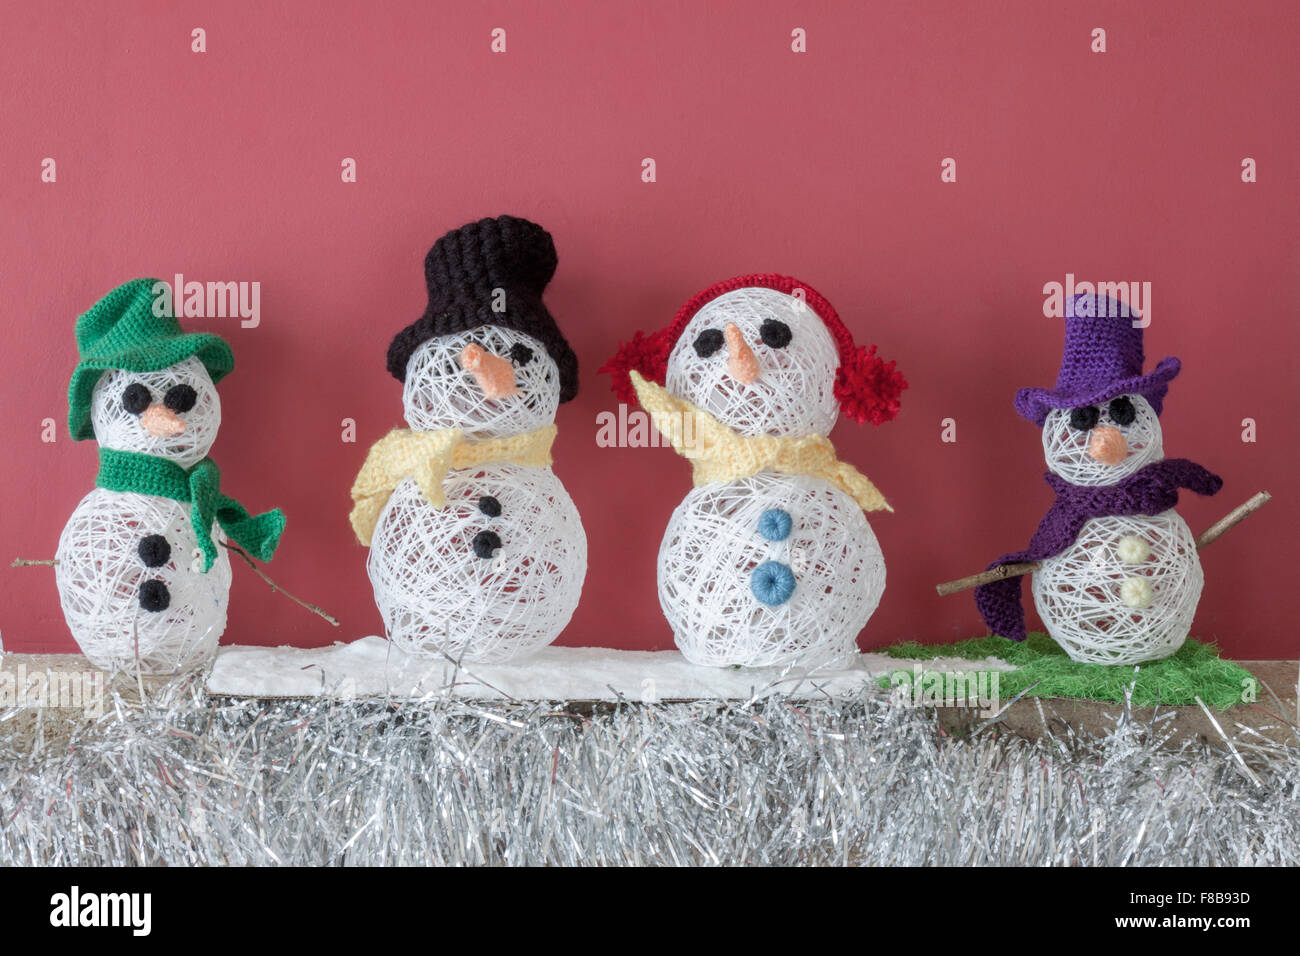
(1196, 670)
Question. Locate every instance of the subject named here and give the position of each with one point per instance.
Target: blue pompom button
(774, 524)
(772, 582)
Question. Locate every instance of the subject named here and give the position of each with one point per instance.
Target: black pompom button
(136, 398)
(1122, 411)
(775, 335)
(154, 596)
(489, 506)
(1085, 418)
(708, 342)
(154, 550)
(180, 398)
(485, 543)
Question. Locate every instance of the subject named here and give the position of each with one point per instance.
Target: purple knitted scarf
(1148, 491)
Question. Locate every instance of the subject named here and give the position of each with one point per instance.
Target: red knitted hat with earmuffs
(866, 386)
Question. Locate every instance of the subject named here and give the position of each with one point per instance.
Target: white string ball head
(1066, 448)
(719, 538)
(119, 427)
(439, 393)
(794, 393)
(1125, 592)
(100, 575)
(438, 596)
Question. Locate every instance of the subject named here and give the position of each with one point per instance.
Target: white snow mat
(371, 667)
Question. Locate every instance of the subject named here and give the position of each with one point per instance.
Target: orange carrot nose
(741, 361)
(161, 422)
(495, 375)
(1107, 446)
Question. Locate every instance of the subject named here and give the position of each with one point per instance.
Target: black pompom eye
(136, 398)
(486, 543)
(1122, 411)
(154, 596)
(776, 335)
(1085, 418)
(180, 398)
(708, 342)
(520, 354)
(154, 550)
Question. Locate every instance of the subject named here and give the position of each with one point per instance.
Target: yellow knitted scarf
(427, 457)
(717, 453)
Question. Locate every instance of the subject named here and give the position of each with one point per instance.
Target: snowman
(477, 552)
(142, 580)
(1119, 577)
(770, 559)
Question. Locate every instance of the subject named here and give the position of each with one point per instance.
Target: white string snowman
(477, 552)
(1119, 579)
(1127, 590)
(770, 559)
(139, 590)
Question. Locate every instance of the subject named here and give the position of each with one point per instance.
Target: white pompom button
(1136, 592)
(1133, 550)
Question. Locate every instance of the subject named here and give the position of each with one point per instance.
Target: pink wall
(226, 165)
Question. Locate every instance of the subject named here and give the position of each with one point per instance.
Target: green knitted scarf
(199, 487)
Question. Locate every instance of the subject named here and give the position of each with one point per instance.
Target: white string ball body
(439, 393)
(436, 595)
(1125, 592)
(434, 592)
(1065, 448)
(794, 393)
(100, 574)
(119, 428)
(715, 544)
(1127, 589)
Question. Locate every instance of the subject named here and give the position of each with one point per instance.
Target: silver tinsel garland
(184, 780)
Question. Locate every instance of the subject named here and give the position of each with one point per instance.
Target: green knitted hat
(122, 330)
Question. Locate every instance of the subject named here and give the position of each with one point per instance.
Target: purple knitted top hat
(1103, 358)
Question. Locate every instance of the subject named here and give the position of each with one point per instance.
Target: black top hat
(464, 269)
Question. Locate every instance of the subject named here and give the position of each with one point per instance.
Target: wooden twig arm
(1243, 510)
(987, 577)
(318, 611)
(1209, 535)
